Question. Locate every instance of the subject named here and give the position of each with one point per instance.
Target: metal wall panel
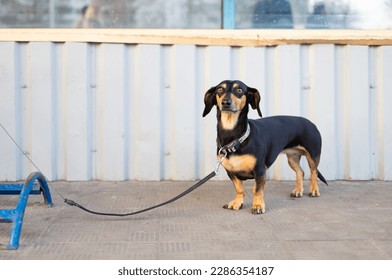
(9, 111)
(121, 112)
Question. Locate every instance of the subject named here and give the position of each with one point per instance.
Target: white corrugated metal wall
(117, 112)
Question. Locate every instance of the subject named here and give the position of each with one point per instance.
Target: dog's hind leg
(313, 188)
(258, 206)
(294, 159)
(238, 202)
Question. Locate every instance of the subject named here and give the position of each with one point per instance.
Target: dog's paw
(314, 190)
(234, 205)
(258, 205)
(297, 193)
(258, 209)
(314, 194)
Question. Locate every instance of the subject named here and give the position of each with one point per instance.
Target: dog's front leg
(238, 202)
(258, 206)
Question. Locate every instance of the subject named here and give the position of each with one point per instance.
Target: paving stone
(350, 220)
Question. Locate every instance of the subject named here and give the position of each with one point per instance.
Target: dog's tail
(321, 177)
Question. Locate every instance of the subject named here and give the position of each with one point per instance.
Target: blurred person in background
(104, 13)
(318, 19)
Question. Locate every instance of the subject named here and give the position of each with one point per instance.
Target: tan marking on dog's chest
(242, 163)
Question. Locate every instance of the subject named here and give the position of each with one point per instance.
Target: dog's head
(231, 97)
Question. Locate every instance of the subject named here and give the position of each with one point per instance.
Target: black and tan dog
(253, 145)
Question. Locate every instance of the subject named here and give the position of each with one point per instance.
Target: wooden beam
(208, 37)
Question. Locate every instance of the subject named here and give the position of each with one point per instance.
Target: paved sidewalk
(350, 220)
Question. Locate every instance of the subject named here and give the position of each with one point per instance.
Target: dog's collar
(234, 145)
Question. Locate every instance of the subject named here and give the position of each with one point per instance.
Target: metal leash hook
(220, 160)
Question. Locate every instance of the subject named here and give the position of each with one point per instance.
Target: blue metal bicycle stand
(35, 184)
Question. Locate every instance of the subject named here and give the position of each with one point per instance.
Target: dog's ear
(209, 100)
(254, 99)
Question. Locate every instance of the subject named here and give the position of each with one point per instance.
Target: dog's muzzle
(228, 107)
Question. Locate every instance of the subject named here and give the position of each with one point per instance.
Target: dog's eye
(220, 90)
(239, 90)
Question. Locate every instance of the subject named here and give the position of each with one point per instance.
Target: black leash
(222, 153)
(194, 187)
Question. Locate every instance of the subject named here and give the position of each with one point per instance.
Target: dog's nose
(226, 102)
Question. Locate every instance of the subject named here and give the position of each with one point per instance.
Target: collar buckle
(233, 146)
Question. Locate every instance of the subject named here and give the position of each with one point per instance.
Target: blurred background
(287, 14)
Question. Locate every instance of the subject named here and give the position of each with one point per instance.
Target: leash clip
(220, 160)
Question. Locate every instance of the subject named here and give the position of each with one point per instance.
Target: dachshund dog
(249, 147)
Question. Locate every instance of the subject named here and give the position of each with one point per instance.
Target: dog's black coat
(271, 135)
